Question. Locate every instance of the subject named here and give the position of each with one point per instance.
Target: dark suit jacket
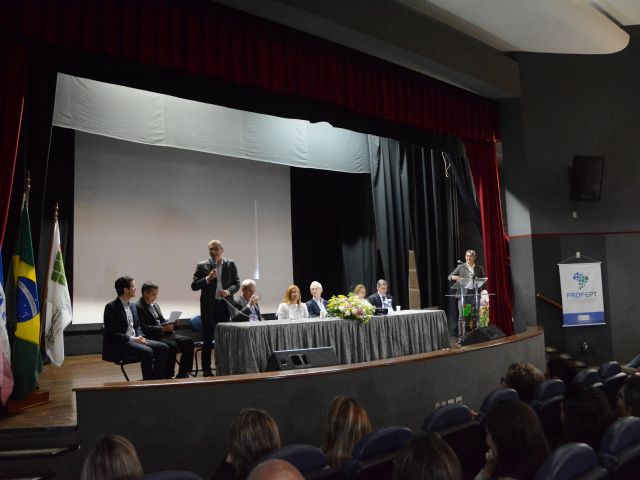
(229, 279)
(243, 305)
(151, 327)
(376, 301)
(314, 309)
(115, 327)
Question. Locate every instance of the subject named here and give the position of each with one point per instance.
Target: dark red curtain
(484, 168)
(13, 62)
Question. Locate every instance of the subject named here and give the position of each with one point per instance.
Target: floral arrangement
(483, 319)
(350, 307)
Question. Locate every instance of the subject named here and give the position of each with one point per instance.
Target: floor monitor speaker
(302, 358)
(483, 334)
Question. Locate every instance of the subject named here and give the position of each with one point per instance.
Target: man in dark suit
(247, 303)
(381, 299)
(217, 279)
(317, 304)
(155, 327)
(123, 335)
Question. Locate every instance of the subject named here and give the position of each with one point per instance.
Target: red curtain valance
(204, 38)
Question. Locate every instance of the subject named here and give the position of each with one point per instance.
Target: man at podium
(467, 303)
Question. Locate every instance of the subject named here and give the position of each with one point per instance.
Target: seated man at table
(381, 299)
(123, 335)
(247, 303)
(317, 304)
(156, 327)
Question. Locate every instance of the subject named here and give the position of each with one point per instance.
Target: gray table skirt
(246, 347)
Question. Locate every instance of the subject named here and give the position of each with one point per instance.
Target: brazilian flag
(23, 312)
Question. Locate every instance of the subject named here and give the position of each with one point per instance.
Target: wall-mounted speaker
(302, 358)
(586, 178)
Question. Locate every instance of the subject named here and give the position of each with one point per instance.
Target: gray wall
(576, 105)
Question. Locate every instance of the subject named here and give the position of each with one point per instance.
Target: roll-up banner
(581, 287)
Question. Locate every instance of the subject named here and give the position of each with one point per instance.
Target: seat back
(304, 457)
(373, 456)
(588, 377)
(620, 449)
(608, 369)
(547, 400)
(573, 461)
(498, 394)
(464, 435)
(172, 475)
(196, 324)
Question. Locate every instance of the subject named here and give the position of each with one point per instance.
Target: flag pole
(27, 188)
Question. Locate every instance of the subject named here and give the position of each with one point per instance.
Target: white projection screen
(149, 211)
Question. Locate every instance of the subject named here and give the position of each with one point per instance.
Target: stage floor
(76, 371)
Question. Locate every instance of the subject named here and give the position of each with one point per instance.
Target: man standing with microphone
(217, 279)
(468, 269)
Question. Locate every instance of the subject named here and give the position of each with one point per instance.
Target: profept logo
(581, 278)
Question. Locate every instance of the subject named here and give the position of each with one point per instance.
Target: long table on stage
(245, 347)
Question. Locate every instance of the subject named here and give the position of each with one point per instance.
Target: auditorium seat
(612, 379)
(497, 394)
(373, 456)
(172, 475)
(196, 326)
(620, 449)
(547, 400)
(464, 434)
(573, 461)
(588, 377)
(309, 459)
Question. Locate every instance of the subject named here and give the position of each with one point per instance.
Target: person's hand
(140, 340)
(253, 300)
(455, 278)
(224, 293)
(212, 274)
(167, 327)
(490, 463)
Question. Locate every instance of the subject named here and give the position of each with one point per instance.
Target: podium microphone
(459, 262)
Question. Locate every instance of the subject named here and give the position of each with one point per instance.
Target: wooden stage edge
(90, 372)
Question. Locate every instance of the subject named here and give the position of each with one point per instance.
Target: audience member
(382, 299)
(291, 307)
(562, 369)
(275, 470)
(347, 423)
(247, 303)
(155, 327)
(113, 458)
(317, 304)
(360, 291)
(524, 378)
(252, 434)
(123, 335)
(586, 414)
(628, 398)
(516, 441)
(427, 457)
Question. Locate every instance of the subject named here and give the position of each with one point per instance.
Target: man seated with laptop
(156, 327)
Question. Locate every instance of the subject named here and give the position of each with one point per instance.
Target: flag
(6, 375)
(23, 312)
(58, 303)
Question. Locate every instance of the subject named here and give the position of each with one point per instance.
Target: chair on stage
(373, 456)
(573, 461)
(547, 400)
(620, 449)
(120, 360)
(464, 435)
(196, 326)
(308, 459)
(612, 379)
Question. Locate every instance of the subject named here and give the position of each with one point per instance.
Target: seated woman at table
(291, 307)
(360, 291)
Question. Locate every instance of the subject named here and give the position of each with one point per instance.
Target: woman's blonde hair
(253, 434)
(347, 423)
(287, 294)
(113, 457)
(359, 287)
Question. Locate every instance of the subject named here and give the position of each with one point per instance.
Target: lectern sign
(581, 287)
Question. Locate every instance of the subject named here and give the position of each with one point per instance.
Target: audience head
(292, 295)
(628, 398)
(275, 470)
(149, 292)
(316, 289)
(347, 423)
(215, 249)
(382, 287)
(515, 435)
(427, 457)
(561, 368)
(113, 458)
(253, 434)
(360, 291)
(248, 287)
(470, 257)
(125, 286)
(524, 378)
(586, 414)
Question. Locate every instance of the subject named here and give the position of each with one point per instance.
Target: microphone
(459, 262)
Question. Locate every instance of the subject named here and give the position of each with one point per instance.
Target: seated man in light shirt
(247, 303)
(317, 304)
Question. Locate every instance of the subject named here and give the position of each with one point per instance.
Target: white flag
(58, 303)
(6, 375)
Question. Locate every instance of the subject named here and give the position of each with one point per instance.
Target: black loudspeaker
(483, 334)
(586, 178)
(302, 358)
